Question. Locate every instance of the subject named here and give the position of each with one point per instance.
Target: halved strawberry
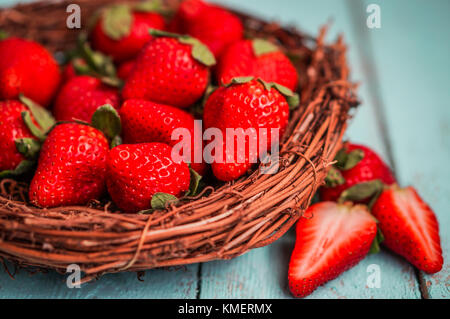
(331, 238)
(410, 227)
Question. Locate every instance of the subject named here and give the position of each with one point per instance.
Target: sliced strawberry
(410, 227)
(331, 238)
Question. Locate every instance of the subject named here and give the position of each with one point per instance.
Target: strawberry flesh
(410, 227)
(331, 238)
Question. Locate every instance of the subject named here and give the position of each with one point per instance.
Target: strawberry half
(331, 238)
(410, 227)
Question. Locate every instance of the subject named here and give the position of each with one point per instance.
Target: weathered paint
(403, 68)
(411, 52)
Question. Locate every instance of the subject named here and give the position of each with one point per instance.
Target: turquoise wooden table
(404, 72)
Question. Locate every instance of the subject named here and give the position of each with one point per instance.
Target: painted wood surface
(404, 73)
(411, 53)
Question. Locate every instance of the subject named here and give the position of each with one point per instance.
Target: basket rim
(250, 212)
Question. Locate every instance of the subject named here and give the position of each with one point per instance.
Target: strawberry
(145, 121)
(332, 239)
(258, 58)
(122, 30)
(71, 167)
(136, 172)
(211, 24)
(81, 96)
(12, 128)
(27, 67)
(170, 70)
(410, 227)
(68, 72)
(125, 68)
(248, 104)
(357, 165)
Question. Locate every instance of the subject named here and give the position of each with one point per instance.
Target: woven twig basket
(220, 223)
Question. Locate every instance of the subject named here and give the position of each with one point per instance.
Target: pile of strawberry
(104, 125)
(361, 206)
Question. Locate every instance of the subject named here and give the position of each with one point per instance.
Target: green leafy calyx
(194, 183)
(107, 120)
(261, 47)
(86, 61)
(117, 21)
(42, 117)
(160, 200)
(334, 178)
(362, 191)
(28, 147)
(379, 238)
(24, 167)
(200, 52)
(346, 161)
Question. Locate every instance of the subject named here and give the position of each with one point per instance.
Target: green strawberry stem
(96, 63)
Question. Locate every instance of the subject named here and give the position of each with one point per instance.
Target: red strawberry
(12, 128)
(27, 67)
(333, 238)
(410, 227)
(247, 104)
(71, 167)
(138, 171)
(211, 24)
(125, 69)
(69, 72)
(359, 170)
(81, 96)
(258, 58)
(169, 71)
(122, 30)
(145, 121)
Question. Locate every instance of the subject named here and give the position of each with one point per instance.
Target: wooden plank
(262, 273)
(156, 284)
(412, 51)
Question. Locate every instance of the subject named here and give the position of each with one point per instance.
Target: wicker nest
(222, 222)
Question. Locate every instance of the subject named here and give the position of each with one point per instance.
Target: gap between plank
(365, 49)
(199, 281)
